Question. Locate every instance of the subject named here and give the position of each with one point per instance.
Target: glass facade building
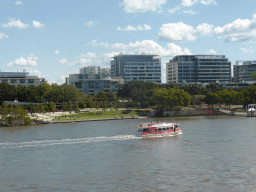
(136, 67)
(198, 69)
(243, 72)
(93, 79)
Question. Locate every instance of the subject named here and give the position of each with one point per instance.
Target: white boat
(156, 129)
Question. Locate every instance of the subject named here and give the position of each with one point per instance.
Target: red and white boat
(157, 129)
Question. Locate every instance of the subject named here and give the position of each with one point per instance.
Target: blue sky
(54, 38)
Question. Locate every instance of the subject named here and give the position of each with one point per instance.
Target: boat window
(171, 127)
(176, 126)
(167, 128)
(145, 130)
(163, 129)
(159, 129)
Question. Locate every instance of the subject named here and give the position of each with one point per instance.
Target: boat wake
(66, 141)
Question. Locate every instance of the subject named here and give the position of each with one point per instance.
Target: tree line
(133, 94)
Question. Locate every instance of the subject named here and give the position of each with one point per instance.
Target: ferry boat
(157, 129)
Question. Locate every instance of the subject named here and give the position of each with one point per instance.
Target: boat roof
(164, 124)
(156, 124)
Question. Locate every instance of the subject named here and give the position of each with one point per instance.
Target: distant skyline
(54, 38)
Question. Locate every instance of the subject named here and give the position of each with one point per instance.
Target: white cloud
(131, 28)
(2, 36)
(86, 58)
(132, 6)
(211, 52)
(30, 61)
(63, 61)
(204, 29)
(18, 3)
(15, 23)
(63, 78)
(150, 47)
(56, 52)
(174, 10)
(208, 2)
(38, 24)
(90, 55)
(182, 32)
(94, 43)
(239, 30)
(190, 12)
(35, 72)
(247, 50)
(85, 61)
(112, 54)
(187, 3)
(90, 23)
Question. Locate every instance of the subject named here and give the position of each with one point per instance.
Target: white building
(20, 78)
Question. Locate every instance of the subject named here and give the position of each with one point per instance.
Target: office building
(102, 71)
(20, 78)
(136, 67)
(198, 69)
(242, 72)
(92, 80)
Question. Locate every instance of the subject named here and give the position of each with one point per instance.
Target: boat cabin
(156, 127)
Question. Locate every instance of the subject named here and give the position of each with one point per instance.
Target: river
(212, 154)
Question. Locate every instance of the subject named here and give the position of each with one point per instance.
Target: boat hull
(160, 134)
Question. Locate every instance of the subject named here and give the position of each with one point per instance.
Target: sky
(54, 38)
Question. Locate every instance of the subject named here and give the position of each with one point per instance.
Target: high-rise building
(136, 67)
(243, 72)
(20, 78)
(90, 70)
(198, 69)
(103, 71)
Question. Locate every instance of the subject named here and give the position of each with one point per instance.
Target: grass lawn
(92, 115)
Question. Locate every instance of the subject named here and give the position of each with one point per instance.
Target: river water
(212, 154)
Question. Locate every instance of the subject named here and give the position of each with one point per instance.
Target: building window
(31, 81)
(13, 80)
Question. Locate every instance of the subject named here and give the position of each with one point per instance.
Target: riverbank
(94, 115)
(82, 116)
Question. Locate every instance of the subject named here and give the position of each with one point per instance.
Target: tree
(110, 96)
(76, 107)
(7, 92)
(212, 98)
(194, 89)
(104, 105)
(90, 104)
(97, 105)
(64, 93)
(137, 90)
(213, 87)
(171, 97)
(144, 104)
(64, 106)
(14, 115)
(69, 106)
(51, 106)
(82, 105)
